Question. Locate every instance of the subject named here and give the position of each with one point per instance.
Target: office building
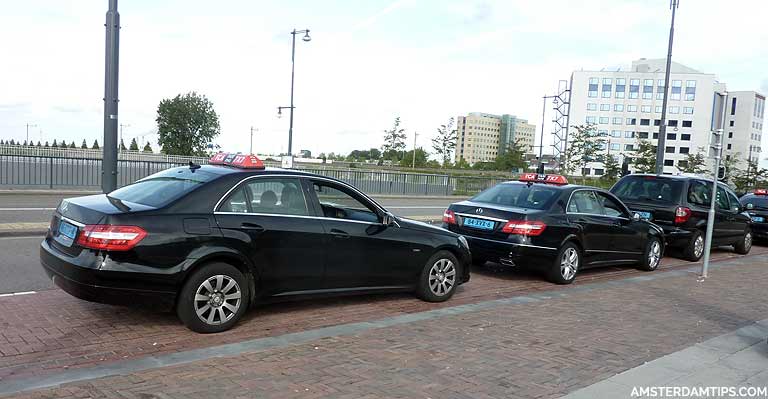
(482, 137)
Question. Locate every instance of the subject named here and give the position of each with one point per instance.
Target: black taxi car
(756, 205)
(544, 222)
(210, 240)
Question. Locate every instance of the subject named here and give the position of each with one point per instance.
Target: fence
(27, 171)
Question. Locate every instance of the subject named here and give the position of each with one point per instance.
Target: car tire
(745, 244)
(695, 249)
(213, 298)
(652, 255)
(566, 264)
(439, 277)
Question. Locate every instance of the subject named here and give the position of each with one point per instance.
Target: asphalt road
(38, 207)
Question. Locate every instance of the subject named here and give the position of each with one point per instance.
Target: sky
(368, 61)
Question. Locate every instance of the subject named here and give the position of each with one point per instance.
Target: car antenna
(193, 166)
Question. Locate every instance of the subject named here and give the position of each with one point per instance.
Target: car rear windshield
(535, 196)
(757, 201)
(648, 188)
(163, 187)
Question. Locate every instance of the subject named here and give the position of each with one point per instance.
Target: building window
(599, 172)
(658, 109)
(729, 146)
(618, 107)
(631, 121)
(645, 108)
(676, 89)
(674, 109)
(631, 108)
(591, 107)
(672, 123)
(688, 110)
(687, 123)
(642, 135)
(620, 87)
(645, 122)
(685, 137)
(629, 134)
(655, 135)
(660, 89)
(730, 135)
(591, 120)
(604, 120)
(605, 107)
(634, 88)
(682, 163)
(615, 146)
(684, 150)
(615, 133)
(585, 171)
(648, 89)
(629, 147)
(657, 122)
(602, 133)
(731, 124)
(617, 120)
(733, 106)
(671, 136)
(690, 90)
(669, 162)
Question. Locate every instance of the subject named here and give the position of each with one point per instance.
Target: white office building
(625, 105)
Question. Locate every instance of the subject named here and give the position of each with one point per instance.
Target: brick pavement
(50, 331)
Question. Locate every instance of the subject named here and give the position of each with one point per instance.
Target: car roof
(555, 186)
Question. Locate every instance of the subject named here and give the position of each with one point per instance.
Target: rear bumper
(81, 278)
(511, 254)
(676, 237)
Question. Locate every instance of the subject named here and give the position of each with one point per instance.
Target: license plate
(478, 223)
(644, 215)
(67, 230)
(758, 219)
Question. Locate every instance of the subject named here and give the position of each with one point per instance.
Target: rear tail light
(110, 238)
(524, 227)
(682, 214)
(449, 217)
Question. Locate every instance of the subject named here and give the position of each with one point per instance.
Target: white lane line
(27, 209)
(18, 293)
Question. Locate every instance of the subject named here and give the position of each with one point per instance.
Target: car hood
(421, 226)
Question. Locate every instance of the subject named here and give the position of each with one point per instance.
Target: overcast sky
(368, 61)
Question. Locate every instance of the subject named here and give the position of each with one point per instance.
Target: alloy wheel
(569, 263)
(698, 246)
(217, 299)
(654, 255)
(442, 277)
(748, 241)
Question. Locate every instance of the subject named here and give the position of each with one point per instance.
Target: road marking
(18, 293)
(27, 209)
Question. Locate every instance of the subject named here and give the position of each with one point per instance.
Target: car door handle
(252, 227)
(339, 233)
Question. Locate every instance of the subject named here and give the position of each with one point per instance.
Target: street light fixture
(305, 38)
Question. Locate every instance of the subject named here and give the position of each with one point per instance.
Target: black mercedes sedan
(756, 205)
(543, 222)
(208, 241)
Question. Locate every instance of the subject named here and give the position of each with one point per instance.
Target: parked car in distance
(544, 222)
(756, 205)
(680, 205)
(211, 240)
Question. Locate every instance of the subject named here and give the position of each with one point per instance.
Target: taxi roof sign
(761, 191)
(548, 179)
(237, 160)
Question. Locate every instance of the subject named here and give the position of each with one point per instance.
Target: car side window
(338, 204)
(722, 200)
(700, 193)
(585, 201)
(735, 204)
(279, 196)
(611, 207)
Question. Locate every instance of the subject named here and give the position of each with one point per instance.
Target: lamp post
(29, 125)
(251, 148)
(717, 147)
(663, 125)
(306, 38)
(540, 168)
(122, 125)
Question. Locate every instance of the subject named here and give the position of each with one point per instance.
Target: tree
(12, 142)
(46, 145)
(512, 158)
(63, 144)
(55, 144)
(134, 145)
(693, 163)
(394, 141)
(752, 177)
(462, 164)
(25, 143)
(122, 146)
(95, 145)
(611, 168)
(186, 124)
(147, 148)
(421, 158)
(583, 148)
(38, 143)
(445, 142)
(731, 166)
(84, 145)
(72, 144)
(644, 159)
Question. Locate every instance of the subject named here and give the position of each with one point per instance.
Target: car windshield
(534, 196)
(756, 201)
(163, 187)
(648, 188)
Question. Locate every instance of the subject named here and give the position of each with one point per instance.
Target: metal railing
(62, 172)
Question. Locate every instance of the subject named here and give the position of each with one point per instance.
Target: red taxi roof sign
(548, 179)
(761, 191)
(242, 161)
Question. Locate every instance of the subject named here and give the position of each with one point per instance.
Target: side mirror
(750, 206)
(388, 219)
(635, 217)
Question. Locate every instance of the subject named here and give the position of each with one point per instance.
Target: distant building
(305, 154)
(482, 137)
(626, 105)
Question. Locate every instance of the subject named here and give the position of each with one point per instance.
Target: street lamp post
(122, 125)
(29, 125)
(663, 125)
(306, 38)
(540, 168)
(717, 146)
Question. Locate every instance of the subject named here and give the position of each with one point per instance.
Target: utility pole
(251, 148)
(121, 135)
(112, 53)
(717, 146)
(663, 126)
(28, 126)
(413, 165)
